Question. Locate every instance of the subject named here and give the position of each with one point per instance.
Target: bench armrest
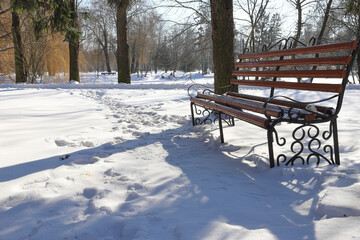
(292, 109)
(196, 88)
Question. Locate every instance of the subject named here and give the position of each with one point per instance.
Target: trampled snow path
(135, 168)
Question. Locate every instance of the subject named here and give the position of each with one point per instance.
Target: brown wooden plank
(294, 73)
(297, 62)
(250, 118)
(256, 106)
(336, 47)
(321, 87)
(242, 104)
(323, 109)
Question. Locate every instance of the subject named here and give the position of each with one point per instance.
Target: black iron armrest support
(294, 115)
(199, 88)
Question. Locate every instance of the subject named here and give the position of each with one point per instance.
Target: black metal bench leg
(336, 142)
(192, 113)
(221, 129)
(271, 148)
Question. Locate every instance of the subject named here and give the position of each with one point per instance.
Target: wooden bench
(108, 73)
(325, 69)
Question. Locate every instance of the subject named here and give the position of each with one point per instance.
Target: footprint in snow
(63, 143)
(94, 193)
(135, 186)
(89, 192)
(133, 126)
(114, 174)
(84, 161)
(87, 144)
(111, 173)
(132, 196)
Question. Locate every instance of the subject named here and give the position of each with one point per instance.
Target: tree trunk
(107, 60)
(74, 60)
(299, 23)
(358, 39)
(106, 51)
(74, 45)
(18, 49)
(133, 56)
(222, 23)
(324, 23)
(298, 32)
(123, 47)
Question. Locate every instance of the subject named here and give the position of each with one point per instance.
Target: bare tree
(320, 37)
(299, 5)
(143, 39)
(255, 11)
(101, 26)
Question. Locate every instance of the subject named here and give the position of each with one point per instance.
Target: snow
(100, 160)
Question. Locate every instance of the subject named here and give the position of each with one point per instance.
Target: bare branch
(6, 48)
(4, 10)
(5, 35)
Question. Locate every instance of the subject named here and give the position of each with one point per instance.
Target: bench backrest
(285, 68)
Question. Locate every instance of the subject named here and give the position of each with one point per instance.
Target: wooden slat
(297, 62)
(321, 87)
(294, 73)
(336, 47)
(250, 118)
(256, 106)
(242, 104)
(323, 109)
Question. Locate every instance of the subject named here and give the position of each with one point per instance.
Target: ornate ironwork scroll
(307, 145)
(209, 116)
(206, 115)
(194, 89)
(287, 43)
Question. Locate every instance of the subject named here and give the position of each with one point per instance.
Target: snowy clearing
(109, 161)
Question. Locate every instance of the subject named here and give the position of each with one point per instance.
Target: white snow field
(108, 161)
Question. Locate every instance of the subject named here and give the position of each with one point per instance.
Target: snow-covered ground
(109, 161)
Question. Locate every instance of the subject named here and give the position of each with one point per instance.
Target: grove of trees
(50, 40)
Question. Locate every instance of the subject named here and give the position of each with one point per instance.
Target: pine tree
(58, 15)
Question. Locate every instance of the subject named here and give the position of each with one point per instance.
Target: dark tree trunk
(74, 45)
(123, 47)
(18, 49)
(222, 23)
(107, 60)
(299, 23)
(133, 57)
(324, 23)
(74, 60)
(106, 51)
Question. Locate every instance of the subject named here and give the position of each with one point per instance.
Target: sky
(287, 11)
